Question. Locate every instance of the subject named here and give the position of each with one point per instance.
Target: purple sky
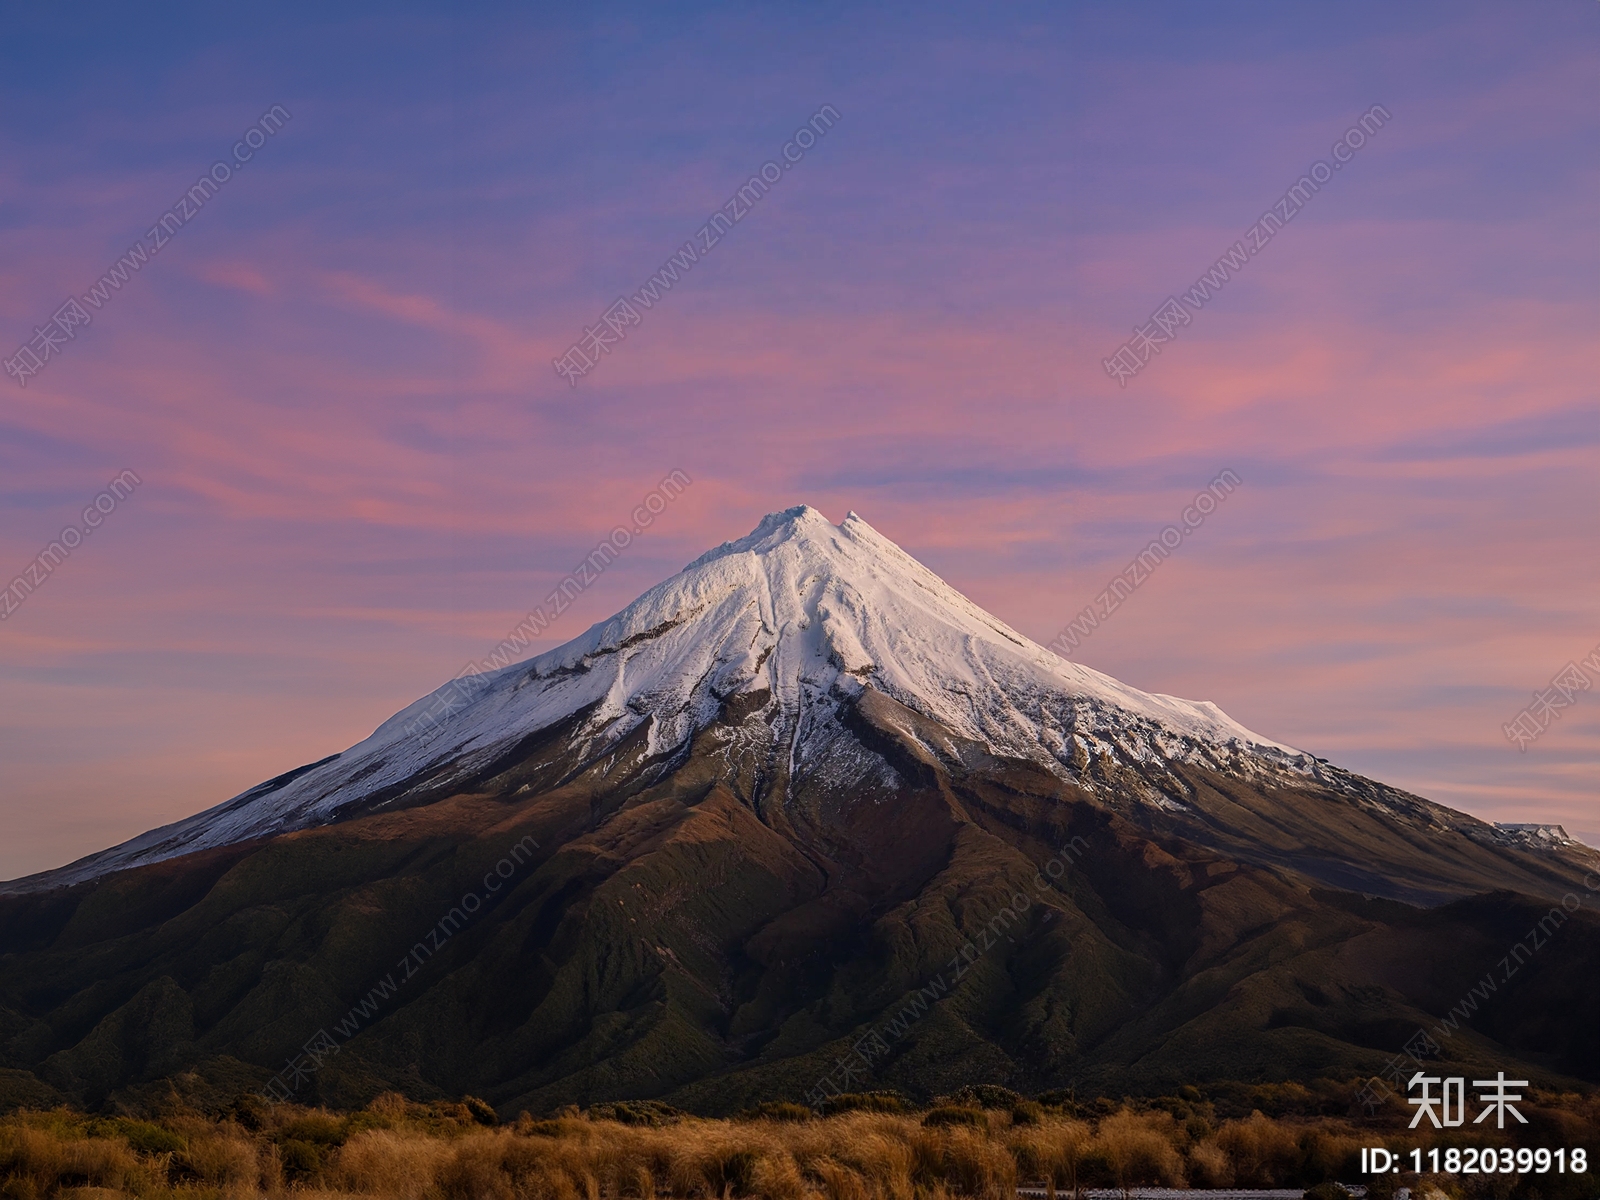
(360, 469)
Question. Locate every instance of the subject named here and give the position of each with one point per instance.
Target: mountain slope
(706, 848)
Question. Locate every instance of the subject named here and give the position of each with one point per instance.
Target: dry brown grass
(1137, 1149)
(381, 1162)
(400, 1151)
(1210, 1166)
(1258, 1148)
(37, 1161)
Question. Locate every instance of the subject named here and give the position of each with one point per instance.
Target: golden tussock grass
(402, 1151)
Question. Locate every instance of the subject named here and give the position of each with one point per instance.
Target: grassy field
(982, 1143)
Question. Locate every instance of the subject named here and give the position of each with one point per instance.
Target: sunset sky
(360, 469)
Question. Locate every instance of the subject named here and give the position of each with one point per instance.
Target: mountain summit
(771, 803)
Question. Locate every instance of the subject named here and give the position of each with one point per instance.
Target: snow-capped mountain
(707, 848)
(790, 626)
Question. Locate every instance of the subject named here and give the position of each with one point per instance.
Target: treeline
(979, 1142)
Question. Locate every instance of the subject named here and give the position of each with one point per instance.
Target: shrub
(385, 1111)
(148, 1138)
(986, 1095)
(951, 1114)
(318, 1128)
(884, 1102)
(249, 1110)
(482, 1111)
(778, 1110)
(530, 1128)
(635, 1112)
(1327, 1155)
(221, 1159)
(1061, 1098)
(301, 1160)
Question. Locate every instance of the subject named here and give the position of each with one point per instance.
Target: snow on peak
(797, 616)
(772, 528)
